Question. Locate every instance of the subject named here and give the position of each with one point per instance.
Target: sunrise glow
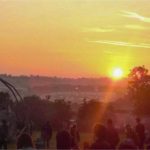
(117, 73)
(73, 38)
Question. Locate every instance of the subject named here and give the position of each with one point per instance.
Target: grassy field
(85, 137)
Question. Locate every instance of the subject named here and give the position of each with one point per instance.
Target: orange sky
(73, 38)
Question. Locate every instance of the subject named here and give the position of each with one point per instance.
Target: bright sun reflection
(117, 73)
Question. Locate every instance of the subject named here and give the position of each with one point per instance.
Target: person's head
(99, 131)
(73, 128)
(24, 141)
(73, 125)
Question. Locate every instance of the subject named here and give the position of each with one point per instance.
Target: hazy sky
(73, 38)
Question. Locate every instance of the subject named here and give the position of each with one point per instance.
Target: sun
(117, 73)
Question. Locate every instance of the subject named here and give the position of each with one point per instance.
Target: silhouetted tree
(62, 112)
(89, 113)
(41, 110)
(139, 89)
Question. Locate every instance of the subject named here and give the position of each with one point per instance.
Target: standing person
(25, 142)
(112, 134)
(100, 140)
(63, 140)
(140, 131)
(75, 136)
(130, 134)
(3, 135)
(47, 134)
(129, 142)
(39, 143)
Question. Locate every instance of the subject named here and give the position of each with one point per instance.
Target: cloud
(98, 30)
(136, 16)
(135, 27)
(125, 44)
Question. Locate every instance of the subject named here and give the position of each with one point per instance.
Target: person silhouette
(3, 135)
(24, 142)
(75, 136)
(130, 133)
(47, 134)
(100, 140)
(63, 140)
(39, 143)
(112, 134)
(140, 131)
(129, 141)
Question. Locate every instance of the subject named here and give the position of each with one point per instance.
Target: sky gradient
(73, 38)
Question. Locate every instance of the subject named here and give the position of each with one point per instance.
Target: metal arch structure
(13, 90)
(18, 98)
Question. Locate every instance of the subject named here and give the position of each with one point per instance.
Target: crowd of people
(104, 137)
(108, 137)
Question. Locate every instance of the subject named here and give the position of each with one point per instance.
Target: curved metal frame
(12, 89)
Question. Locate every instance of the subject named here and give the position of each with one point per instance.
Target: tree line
(40, 110)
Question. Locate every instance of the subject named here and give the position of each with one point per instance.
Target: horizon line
(61, 77)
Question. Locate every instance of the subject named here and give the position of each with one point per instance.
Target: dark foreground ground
(84, 137)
